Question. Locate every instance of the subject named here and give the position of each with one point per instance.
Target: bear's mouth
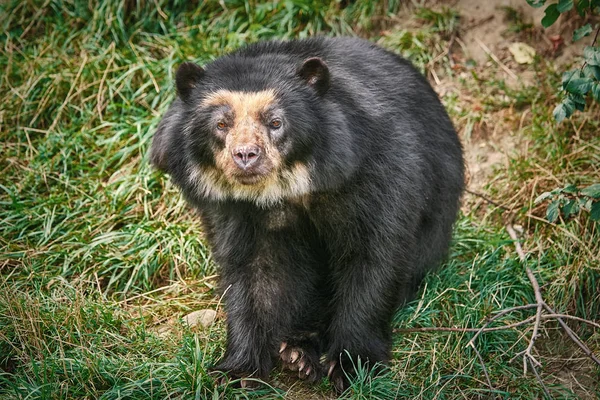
(248, 178)
(252, 176)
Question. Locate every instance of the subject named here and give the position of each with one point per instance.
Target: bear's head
(245, 128)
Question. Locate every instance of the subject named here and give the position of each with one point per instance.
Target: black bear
(327, 176)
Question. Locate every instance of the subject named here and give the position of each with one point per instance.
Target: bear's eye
(221, 125)
(275, 123)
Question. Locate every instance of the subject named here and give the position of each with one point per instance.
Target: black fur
(323, 270)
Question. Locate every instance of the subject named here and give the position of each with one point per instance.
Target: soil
(486, 31)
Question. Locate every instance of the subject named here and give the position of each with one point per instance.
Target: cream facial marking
(290, 184)
(246, 130)
(243, 104)
(274, 183)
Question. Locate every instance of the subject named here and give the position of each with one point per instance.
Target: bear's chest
(282, 217)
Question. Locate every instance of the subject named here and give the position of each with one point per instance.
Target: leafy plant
(578, 84)
(570, 200)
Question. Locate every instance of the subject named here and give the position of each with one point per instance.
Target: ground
(103, 268)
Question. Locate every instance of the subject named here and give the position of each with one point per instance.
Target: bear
(327, 176)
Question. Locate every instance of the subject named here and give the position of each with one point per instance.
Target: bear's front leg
(269, 277)
(250, 336)
(370, 282)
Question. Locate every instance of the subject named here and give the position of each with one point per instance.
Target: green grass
(100, 258)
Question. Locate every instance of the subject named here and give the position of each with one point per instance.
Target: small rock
(163, 331)
(522, 52)
(204, 318)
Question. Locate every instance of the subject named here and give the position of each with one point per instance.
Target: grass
(100, 258)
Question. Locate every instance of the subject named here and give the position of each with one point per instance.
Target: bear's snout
(246, 156)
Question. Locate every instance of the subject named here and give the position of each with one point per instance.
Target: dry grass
(100, 258)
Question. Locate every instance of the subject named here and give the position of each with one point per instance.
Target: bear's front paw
(338, 374)
(305, 360)
(342, 370)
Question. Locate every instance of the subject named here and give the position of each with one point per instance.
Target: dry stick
(495, 317)
(538, 313)
(540, 305)
(574, 337)
(539, 378)
(487, 199)
(487, 376)
(527, 356)
(567, 316)
(462, 330)
(495, 328)
(496, 59)
(540, 300)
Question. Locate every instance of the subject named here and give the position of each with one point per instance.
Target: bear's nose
(246, 156)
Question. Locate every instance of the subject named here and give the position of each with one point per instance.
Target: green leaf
(552, 211)
(596, 91)
(595, 211)
(592, 55)
(567, 209)
(575, 209)
(577, 101)
(570, 188)
(582, 6)
(592, 71)
(582, 32)
(567, 76)
(536, 3)
(579, 85)
(564, 5)
(567, 107)
(542, 197)
(561, 112)
(551, 14)
(592, 191)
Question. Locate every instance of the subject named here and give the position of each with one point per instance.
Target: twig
(487, 376)
(520, 252)
(480, 22)
(543, 312)
(539, 378)
(495, 317)
(574, 318)
(496, 59)
(487, 199)
(444, 53)
(452, 329)
(496, 328)
(574, 337)
(542, 305)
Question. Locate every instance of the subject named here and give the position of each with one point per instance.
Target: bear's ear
(315, 72)
(163, 138)
(187, 77)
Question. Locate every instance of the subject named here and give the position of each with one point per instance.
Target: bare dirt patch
(488, 28)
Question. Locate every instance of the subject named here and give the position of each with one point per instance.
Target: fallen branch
(487, 376)
(487, 199)
(496, 59)
(543, 312)
(542, 305)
